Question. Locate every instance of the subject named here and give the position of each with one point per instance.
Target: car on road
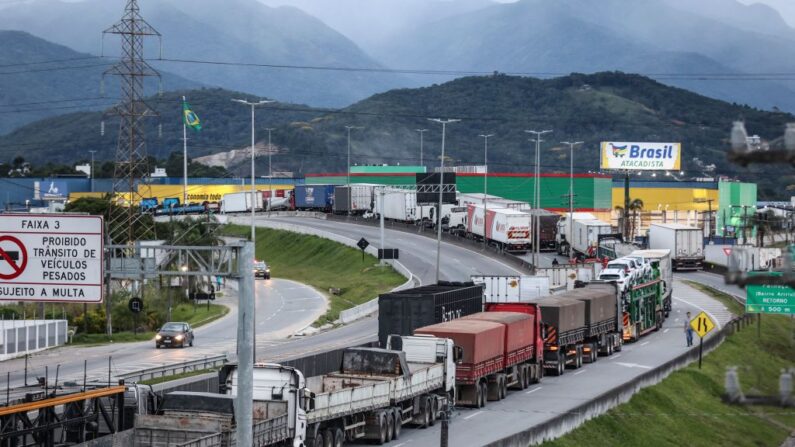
(173, 334)
(261, 270)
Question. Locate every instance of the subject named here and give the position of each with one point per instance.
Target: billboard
(641, 156)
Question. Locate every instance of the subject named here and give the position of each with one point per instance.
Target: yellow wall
(200, 193)
(677, 199)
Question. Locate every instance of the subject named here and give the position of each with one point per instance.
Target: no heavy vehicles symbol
(13, 257)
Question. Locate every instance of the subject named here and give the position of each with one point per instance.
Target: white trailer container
(491, 201)
(562, 238)
(685, 243)
(353, 199)
(238, 202)
(398, 204)
(513, 289)
(506, 228)
(586, 236)
(375, 392)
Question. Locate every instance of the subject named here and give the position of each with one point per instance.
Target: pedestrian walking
(220, 280)
(688, 331)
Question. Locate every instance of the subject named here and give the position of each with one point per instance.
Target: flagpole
(184, 155)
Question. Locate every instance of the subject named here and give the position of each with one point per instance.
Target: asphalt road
(283, 307)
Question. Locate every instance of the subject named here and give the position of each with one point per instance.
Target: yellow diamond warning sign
(702, 324)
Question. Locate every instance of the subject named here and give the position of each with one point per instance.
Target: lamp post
(270, 169)
(422, 141)
(348, 173)
(92, 170)
(253, 105)
(444, 124)
(537, 194)
(485, 184)
(571, 188)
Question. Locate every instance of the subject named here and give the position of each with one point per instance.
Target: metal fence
(174, 369)
(19, 337)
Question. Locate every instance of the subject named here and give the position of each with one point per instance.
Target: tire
(398, 422)
(390, 425)
(503, 388)
(434, 411)
(522, 379)
(157, 346)
(561, 363)
(425, 417)
(316, 442)
(481, 399)
(339, 438)
(382, 429)
(191, 342)
(328, 438)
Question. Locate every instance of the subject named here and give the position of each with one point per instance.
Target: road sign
(767, 299)
(136, 305)
(702, 324)
(363, 244)
(727, 251)
(51, 257)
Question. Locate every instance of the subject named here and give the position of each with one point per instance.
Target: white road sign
(51, 257)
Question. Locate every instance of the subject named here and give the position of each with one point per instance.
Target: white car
(616, 275)
(628, 266)
(645, 265)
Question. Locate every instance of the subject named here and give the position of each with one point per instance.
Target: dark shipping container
(400, 313)
(600, 302)
(547, 227)
(565, 314)
(314, 197)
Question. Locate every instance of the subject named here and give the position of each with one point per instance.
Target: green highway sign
(770, 299)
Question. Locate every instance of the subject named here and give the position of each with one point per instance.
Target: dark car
(174, 334)
(262, 270)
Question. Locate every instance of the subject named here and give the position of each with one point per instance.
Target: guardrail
(174, 369)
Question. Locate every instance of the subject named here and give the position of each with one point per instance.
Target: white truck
(685, 243)
(506, 228)
(585, 237)
(513, 289)
(398, 204)
(353, 199)
(375, 392)
(562, 238)
(238, 202)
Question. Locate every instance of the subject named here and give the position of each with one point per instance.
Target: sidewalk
(714, 308)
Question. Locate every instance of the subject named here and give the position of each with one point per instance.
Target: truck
(238, 202)
(661, 261)
(685, 243)
(547, 228)
(281, 199)
(401, 312)
(372, 395)
(399, 205)
(454, 220)
(512, 288)
(501, 350)
(585, 238)
(353, 199)
(505, 228)
(562, 237)
(314, 197)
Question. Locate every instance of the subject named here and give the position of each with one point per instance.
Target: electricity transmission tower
(127, 223)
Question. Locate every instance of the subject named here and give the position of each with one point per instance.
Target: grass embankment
(686, 407)
(196, 316)
(322, 264)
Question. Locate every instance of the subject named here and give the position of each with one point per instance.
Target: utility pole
(382, 194)
(92, 170)
(422, 132)
(485, 185)
(270, 168)
(246, 336)
(571, 190)
(253, 105)
(348, 173)
(444, 124)
(537, 195)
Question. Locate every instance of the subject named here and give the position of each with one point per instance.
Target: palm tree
(635, 206)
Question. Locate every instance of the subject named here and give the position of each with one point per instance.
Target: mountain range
(606, 106)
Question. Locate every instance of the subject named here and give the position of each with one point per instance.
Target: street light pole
(537, 194)
(571, 189)
(444, 124)
(253, 105)
(92, 170)
(348, 173)
(422, 134)
(485, 185)
(270, 169)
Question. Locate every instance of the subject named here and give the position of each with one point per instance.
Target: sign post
(703, 325)
(51, 258)
(363, 244)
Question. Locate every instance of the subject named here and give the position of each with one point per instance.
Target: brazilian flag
(190, 118)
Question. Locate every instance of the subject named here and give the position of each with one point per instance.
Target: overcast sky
(785, 7)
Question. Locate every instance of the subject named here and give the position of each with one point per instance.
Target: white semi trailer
(506, 228)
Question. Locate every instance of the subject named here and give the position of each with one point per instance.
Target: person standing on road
(688, 331)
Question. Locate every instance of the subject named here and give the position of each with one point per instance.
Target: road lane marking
(616, 356)
(644, 343)
(666, 331)
(533, 390)
(718, 325)
(473, 415)
(633, 365)
(580, 372)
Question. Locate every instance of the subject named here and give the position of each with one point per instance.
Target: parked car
(615, 275)
(627, 265)
(261, 269)
(173, 334)
(644, 265)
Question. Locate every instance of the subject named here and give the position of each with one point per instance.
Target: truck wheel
(398, 422)
(480, 396)
(328, 438)
(561, 363)
(390, 425)
(339, 438)
(434, 410)
(381, 429)
(521, 377)
(503, 388)
(316, 442)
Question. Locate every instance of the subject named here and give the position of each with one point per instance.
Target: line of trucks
(441, 345)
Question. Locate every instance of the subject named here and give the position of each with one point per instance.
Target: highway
(521, 410)
(283, 307)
